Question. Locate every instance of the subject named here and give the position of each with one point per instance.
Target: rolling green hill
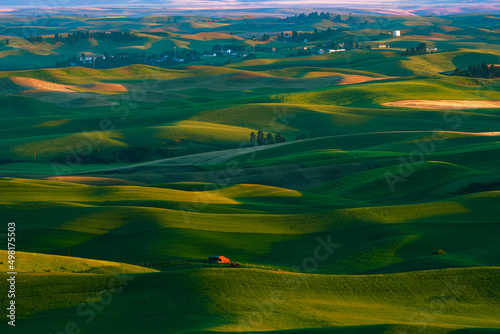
(370, 303)
(378, 213)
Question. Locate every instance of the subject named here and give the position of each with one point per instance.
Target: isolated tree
(279, 138)
(7, 41)
(315, 30)
(260, 138)
(299, 137)
(253, 139)
(304, 136)
(312, 135)
(270, 138)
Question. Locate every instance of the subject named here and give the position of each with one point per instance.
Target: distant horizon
(260, 7)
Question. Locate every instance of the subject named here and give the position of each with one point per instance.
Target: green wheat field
(378, 212)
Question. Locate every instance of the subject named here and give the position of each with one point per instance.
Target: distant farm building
(396, 33)
(218, 259)
(335, 50)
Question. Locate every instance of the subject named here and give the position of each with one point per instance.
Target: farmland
(376, 212)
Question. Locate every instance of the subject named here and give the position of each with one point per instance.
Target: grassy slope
(259, 224)
(324, 301)
(38, 263)
(379, 231)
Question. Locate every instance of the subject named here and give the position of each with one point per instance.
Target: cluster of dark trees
(315, 17)
(479, 71)
(421, 49)
(260, 139)
(35, 39)
(170, 20)
(300, 53)
(71, 38)
(163, 59)
(117, 36)
(311, 36)
(265, 38)
(311, 17)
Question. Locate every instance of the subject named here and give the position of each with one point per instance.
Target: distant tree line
(163, 59)
(479, 71)
(315, 17)
(311, 36)
(261, 139)
(169, 20)
(421, 49)
(71, 38)
(35, 39)
(116, 36)
(265, 38)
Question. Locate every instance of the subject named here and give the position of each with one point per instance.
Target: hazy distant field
(377, 214)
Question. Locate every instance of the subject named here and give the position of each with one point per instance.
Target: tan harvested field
(104, 87)
(70, 96)
(354, 79)
(18, 85)
(444, 104)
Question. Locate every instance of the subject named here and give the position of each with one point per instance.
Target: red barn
(218, 259)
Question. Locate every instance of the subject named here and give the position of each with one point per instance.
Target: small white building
(396, 33)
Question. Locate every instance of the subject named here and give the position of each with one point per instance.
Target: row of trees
(311, 17)
(35, 39)
(315, 17)
(421, 49)
(117, 36)
(163, 59)
(260, 139)
(479, 71)
(265, 38)
(315, 36)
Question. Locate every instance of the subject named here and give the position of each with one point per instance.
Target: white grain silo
(396, 33)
